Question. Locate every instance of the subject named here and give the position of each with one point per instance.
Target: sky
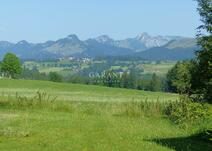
(42, 20)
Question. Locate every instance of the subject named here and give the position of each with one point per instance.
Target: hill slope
(77, 92)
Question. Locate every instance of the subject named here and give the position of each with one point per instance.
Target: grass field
(88, 118)
(159, 69)
(77, 92)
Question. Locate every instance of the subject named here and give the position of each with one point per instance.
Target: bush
(186, 111)
(55, 77)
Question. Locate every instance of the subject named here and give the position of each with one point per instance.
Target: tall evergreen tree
(179, 77)
(202, 78)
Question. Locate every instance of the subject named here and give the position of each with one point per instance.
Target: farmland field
(88, 118)
(70, 67)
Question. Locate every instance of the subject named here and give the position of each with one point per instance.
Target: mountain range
(144, 46)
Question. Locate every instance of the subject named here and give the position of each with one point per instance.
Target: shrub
(55, 77)
(186, 111)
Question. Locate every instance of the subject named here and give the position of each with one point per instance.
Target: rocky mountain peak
(104, 39)
(22, 42)
(143, 36)
(73, 37)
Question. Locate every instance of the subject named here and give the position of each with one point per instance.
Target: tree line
(194, 77)
(127, 79)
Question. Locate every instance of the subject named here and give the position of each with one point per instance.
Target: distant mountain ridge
(143, 45)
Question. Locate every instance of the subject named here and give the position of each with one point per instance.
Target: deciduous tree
(10, 65)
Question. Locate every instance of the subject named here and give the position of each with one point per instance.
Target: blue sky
(41, 20)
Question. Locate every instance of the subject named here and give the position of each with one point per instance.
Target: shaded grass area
(190, 143)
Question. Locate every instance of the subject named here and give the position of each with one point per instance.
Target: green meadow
(48, 116)
(78, 92)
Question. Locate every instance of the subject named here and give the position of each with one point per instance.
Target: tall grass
(40, 99)
(182, 111)
(139, 108)
(43, 100)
